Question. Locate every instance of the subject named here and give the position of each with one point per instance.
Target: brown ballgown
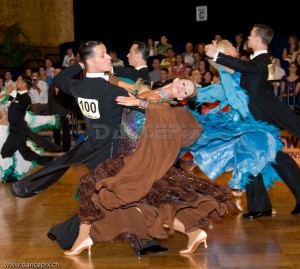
(144, 178)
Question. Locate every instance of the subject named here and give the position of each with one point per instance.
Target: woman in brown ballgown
(138, 195)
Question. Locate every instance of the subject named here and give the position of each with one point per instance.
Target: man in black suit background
(16, 140)
(264, 106)
(137, 58)
(60, 103)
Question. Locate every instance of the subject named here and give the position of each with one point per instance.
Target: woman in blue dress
(232, 140)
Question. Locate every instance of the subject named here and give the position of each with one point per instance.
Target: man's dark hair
(265, 32)
(86, 49)
(165, 69)
(142, 48)
(27, 80)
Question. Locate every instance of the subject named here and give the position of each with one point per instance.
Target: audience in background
(8, 80)
(169, 60)
(49, 67)
(290, 86)
(163, 46)
(38, 94)
(68, 57)
(188, 55)
(43, 76)
(114, 58)
(277, 74)
(152, 47)
(164, 80)
(60, 103)
(155, 73)
(177, 70)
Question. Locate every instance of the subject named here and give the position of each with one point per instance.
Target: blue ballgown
(233, 140)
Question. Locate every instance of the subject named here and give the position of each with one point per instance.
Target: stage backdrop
(46, 22)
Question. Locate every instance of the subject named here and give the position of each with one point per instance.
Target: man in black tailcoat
(264, 106)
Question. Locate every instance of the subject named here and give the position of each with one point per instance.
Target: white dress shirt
(39, 97)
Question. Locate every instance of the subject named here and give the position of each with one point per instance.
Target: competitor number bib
(89, 108)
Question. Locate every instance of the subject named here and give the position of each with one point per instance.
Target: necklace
(165, 97)
(163, 94)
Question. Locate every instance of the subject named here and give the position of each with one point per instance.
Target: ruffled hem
(233, 140)
(16, 166)
(39, 122)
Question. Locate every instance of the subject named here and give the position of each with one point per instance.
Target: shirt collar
(97, 75)
(140, 67)
(22, 92)
(258, 53)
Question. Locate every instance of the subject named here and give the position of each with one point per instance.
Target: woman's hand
(128, 101)
(211, 49)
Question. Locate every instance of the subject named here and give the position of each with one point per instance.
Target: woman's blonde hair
(222, 45)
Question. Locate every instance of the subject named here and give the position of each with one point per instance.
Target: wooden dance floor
(269, 242)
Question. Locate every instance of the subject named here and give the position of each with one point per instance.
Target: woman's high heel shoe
(202, 236)
(86, 244)
(237, 194)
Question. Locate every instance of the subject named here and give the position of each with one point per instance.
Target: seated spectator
(163, 46)
(197, 58)
(291, 47)
(187, 71)
(72, 62)
(196, 76)
(155, 73)
(290, 86)
(239, 43)
(207, 78)
(68, 57)
(164, 80)
(200, 48)
(8, 80)
(188, 54)
(43, 76)
(28, 72)
(49, 67)
(152, 47)
(114, 58)
(169, 61)
(277, 74)
(177, 70)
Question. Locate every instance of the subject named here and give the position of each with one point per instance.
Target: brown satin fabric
(166, 130)
(141, 199)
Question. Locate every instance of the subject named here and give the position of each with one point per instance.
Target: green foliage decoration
(15, 46)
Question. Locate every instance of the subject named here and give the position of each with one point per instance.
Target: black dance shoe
(254, 215)
(154, 249)
(296, 210)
